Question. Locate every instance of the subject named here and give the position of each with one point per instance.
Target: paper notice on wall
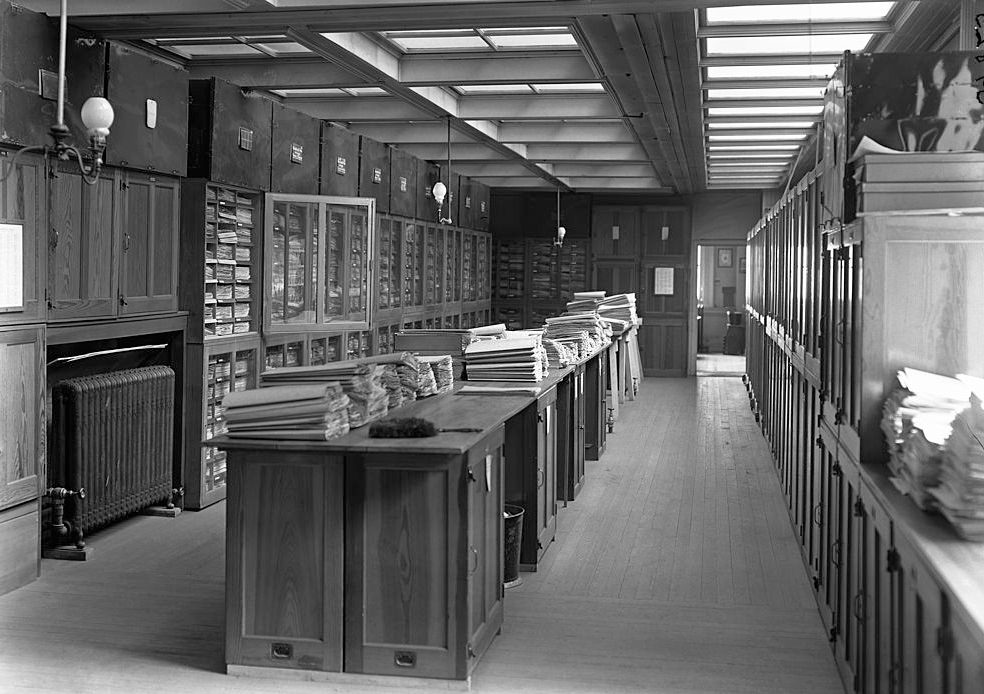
(663, 281)
(11, 267)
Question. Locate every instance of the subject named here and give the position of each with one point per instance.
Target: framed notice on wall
(11, 267)
(663, 281)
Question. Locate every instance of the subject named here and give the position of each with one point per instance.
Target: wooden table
(373, 556)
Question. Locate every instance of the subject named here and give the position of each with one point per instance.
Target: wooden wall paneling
(83, 272)
(229, 134)
(23, 202)
(150, 98)
(403, 183)
(339, 161)
(22, 382)
(284, 597)
(374, 172)
(296, 152)
(148, 268)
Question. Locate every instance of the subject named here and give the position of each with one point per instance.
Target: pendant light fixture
(561, 231)
(440, 191)
(97, 116)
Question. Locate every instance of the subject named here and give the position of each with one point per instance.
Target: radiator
(112, 436)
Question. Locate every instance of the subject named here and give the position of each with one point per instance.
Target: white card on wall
(11, 267)
(663, 277)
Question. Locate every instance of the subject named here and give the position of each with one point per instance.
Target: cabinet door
(22, 417)
(22, 217)
(148, 273)
(82, 277)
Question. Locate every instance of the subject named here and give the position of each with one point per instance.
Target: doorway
(721, 272)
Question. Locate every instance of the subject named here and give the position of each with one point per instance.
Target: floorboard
(674, 571)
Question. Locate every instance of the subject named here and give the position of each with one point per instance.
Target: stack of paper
(917, 419)
(443, 370)
(315, 412)
(509, 359)
(361, 381)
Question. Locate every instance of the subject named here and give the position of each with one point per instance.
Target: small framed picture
(726, 257)
(741, 266)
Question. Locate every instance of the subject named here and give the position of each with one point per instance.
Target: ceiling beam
(815, 28)
(500, 67)
(538, 107)
(143, 23)
(358, 54)
(287, 72)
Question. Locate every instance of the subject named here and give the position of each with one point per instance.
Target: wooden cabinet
(114, 245)
(22, 457)
(150, 98)
(149, 245)
(570, 434)
(23, 212)
(394, 549)
(531, 471)
(229, 134)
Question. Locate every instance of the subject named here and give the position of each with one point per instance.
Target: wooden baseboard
(397, 684)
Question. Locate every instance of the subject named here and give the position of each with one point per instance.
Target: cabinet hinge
(893, 562)
(859, 508)
(944, 643)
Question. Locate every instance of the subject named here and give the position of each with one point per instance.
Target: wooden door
(82, 272)
(22, 416)
(149, 245)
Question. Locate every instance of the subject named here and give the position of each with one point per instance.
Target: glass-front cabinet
(318, 274)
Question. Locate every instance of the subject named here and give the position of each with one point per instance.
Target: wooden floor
(675, 570)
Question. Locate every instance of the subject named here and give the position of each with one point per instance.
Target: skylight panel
(765, 110)
(814, 70)
(767, 93)
(570, 87)
(829, 11)
(494, 89)
(752, 137)
(787, 45)
(531, 40)
(753, 125)
(439, 43)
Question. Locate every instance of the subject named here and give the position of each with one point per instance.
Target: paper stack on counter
(510, 359)
(313, 412)
(359, 379)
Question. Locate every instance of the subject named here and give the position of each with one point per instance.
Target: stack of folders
(619, 307)
(309, 413)
(438, 341)
(442, 369)
(960, 493)
(361, 381)
(509, 359)
(917, 419)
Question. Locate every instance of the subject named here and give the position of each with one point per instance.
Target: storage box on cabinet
(150, 99)
(403, 184)
(339, 161)
(22, 210)
(296, 157)
(374, 172)
(29, 43)
(220, 367)
(222, 246)
(229, 134)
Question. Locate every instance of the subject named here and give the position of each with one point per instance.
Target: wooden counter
(375, 556)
